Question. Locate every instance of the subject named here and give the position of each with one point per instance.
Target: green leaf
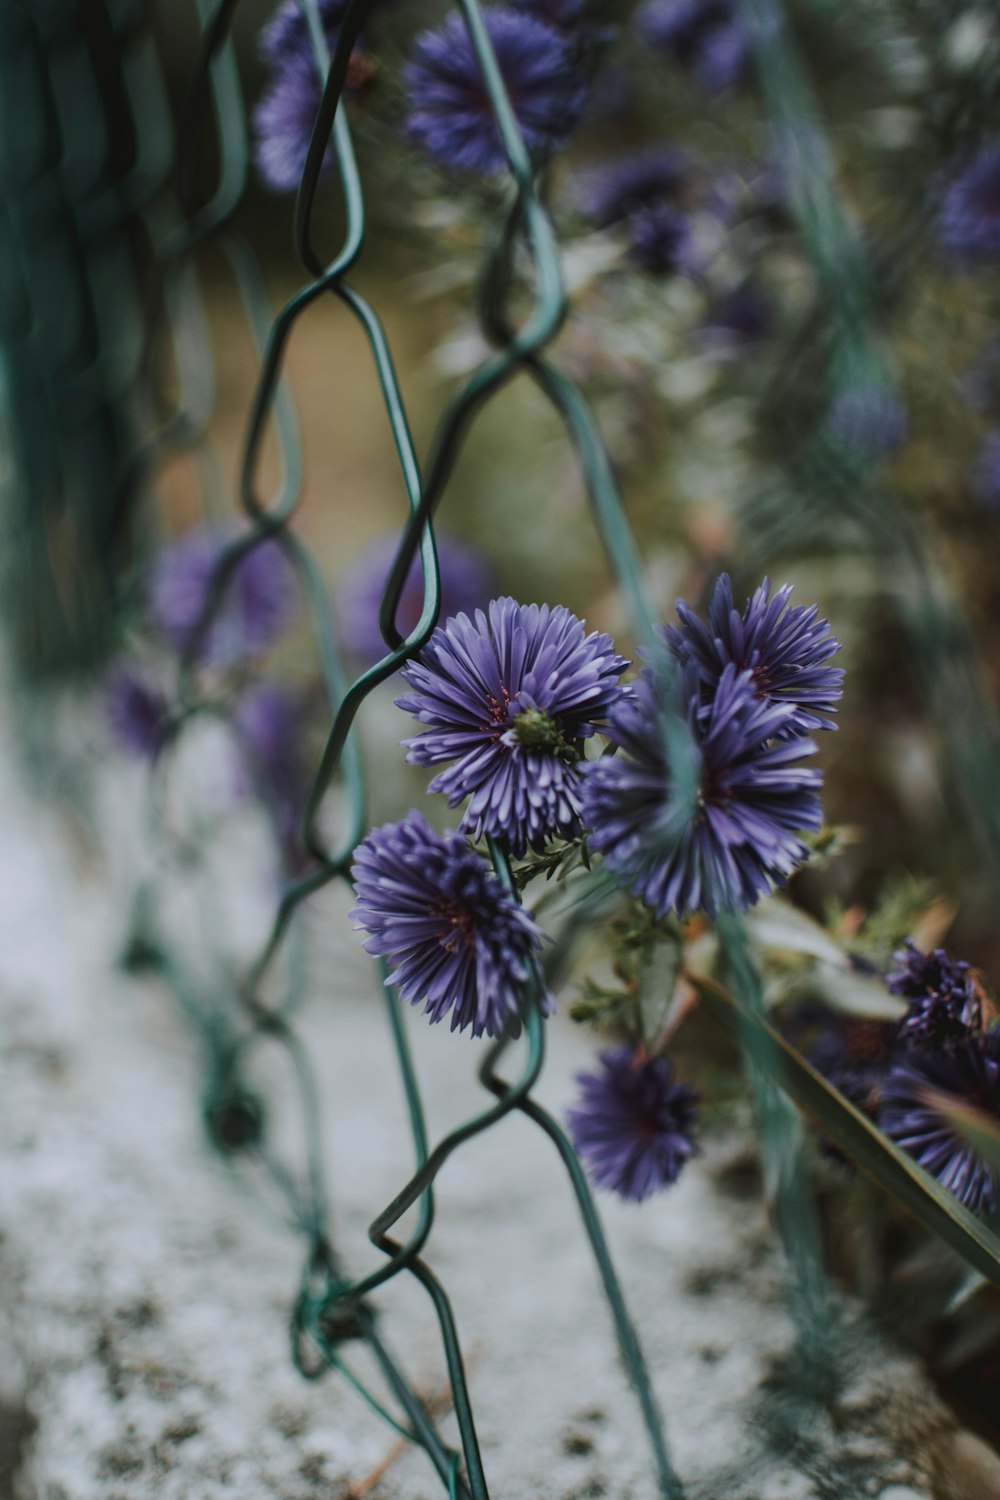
(879, 1158)
(778, 924)
(856, 994)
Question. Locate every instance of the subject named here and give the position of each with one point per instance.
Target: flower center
(534, 729)
(457, 926)
(499, 712)
(761, 677)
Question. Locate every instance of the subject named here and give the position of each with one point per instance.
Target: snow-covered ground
(144, 1298)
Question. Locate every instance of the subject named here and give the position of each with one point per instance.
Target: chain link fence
(83, 389)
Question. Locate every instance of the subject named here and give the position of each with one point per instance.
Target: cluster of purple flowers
(284, 116)
(538, 46)
(902, 1075)
(256, 605)
(942, 1049)
(755, 682)
(507, 699)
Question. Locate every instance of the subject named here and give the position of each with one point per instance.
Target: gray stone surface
(145, 1298)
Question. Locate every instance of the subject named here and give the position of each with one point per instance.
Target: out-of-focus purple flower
(722, 57)
(663, 239)
(283, 119)
(706, 36)
(507, 698)
(968, 216)
(138, 711)
(466, 585)
(450, 113)
(641, 190)
(736, 320)
(633, 1125)
(257, 604)
(785, 648)
(287, 33)
(985, 474)
(944, 1005)
(269, 720)
(608, 193)
(852, 1052)
(912, 1117)
(754, 798)
(457, 941)
(283, 122)
(871, 421)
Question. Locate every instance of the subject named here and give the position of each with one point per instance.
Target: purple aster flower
(871, 421)
(706, 36)
(287, 33)
(283, 123)
(663, 239)
(944, 1005)
(753, 799)
(912, 1118)
(257, 604)
(450, 112)
(138, 711)
(985, 474)
(722, 57)
(507, 698)
(457, 940)
(851, 1052)
(466, 585)
(640, 189)
(283, 119)
(633, 1124)
(786, 650)
(269, 720)
(632, 181)
(968, 217)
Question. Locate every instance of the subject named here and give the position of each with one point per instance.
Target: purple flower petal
(458, 943)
